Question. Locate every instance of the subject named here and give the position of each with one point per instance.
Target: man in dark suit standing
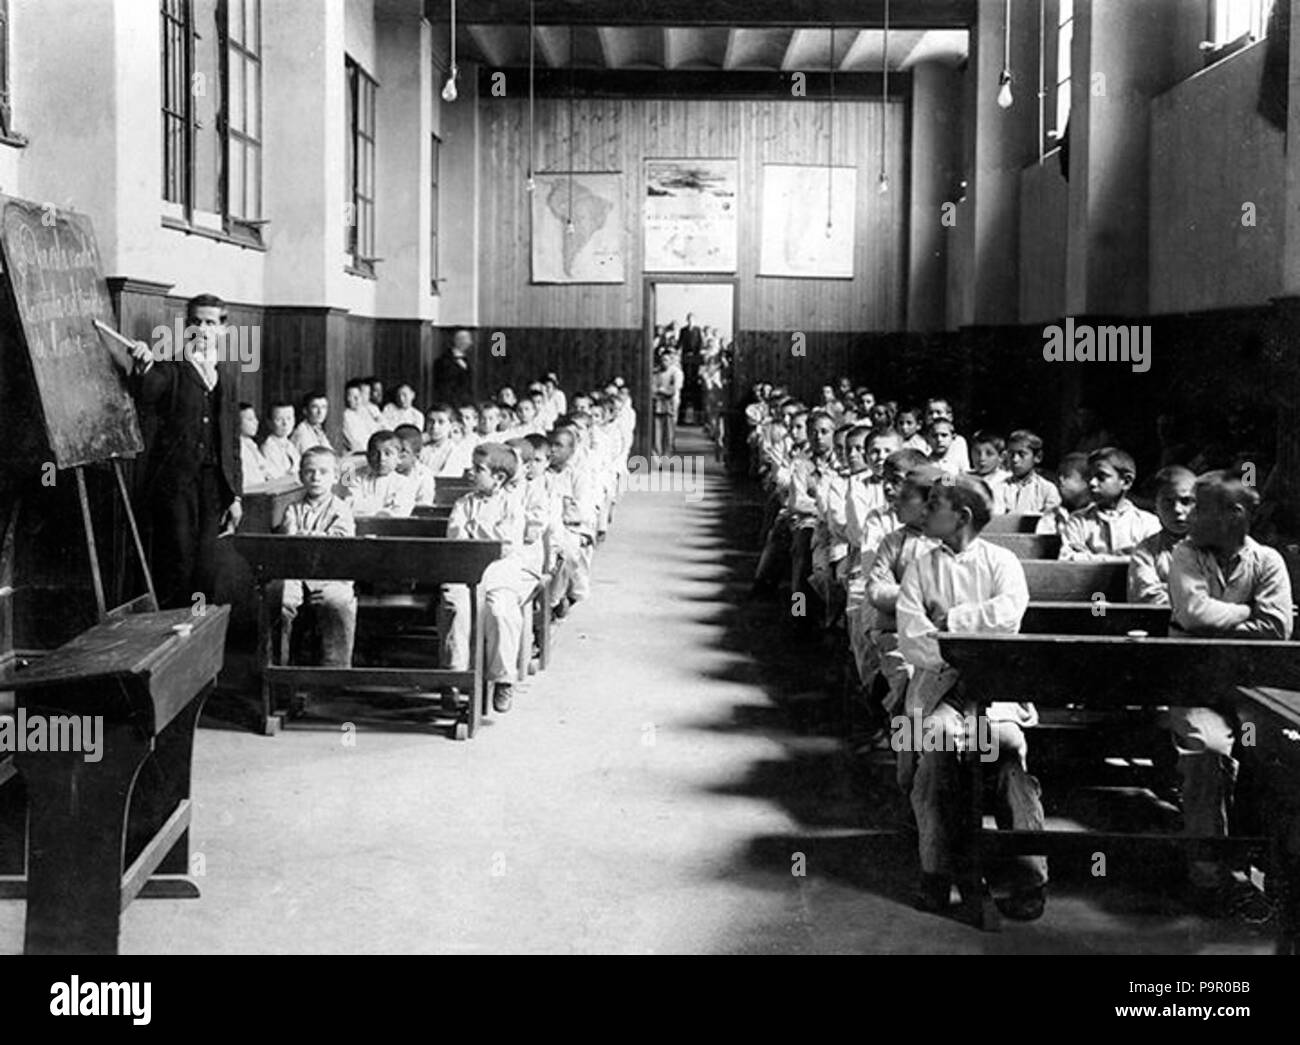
(453, 376)
(691, 345)
(189, 411)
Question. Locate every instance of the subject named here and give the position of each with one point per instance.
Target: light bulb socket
(1005, 98)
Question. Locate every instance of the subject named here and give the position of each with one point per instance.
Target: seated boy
(1072, 488)
(1148, 569)
(1222, 583)
(311, 429)
(278, 450)
(529, 487)
(403, 411)
(358, 422)
(965, 585)
(1024, 491)
(254, 464)
(986, 451)
(318, 511)
(897, 551)
(909, 422)
(807, 474)
(377, 487)
(444, 456)
(943, 447)
(410, 465)
(1112, 526)
(573, 501)
(489, 513)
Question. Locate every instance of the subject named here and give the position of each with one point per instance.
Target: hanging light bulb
(569, 228)
(530, 183)
(1004, 81)
(449, 88)
(1004, 90)
(828, 230)
(883, 186)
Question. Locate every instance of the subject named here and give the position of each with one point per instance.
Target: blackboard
(64, 395)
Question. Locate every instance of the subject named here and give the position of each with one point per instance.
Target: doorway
(711, 304)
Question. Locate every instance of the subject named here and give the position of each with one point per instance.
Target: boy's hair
(940, 421)
(359, 383)
(924, 476)
(380, 438)
(1118, 459)
(371, 379)
(1073, 464)
(522, 447)
(1231, 488)
(311, 397)
(1169, 475)
(498, 457)
(441, 408)
(884, 433)
(1027, 438)
(412, 438)
(488, 404)
(971, 492)
(816, 415)
(319, 451)
(856, 430)
(281, 404)
(537, 442)
(906, 460)
(915, 412)
(247, 406)
(989, 438)
(204, 301)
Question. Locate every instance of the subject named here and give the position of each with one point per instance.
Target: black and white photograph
(651, 478)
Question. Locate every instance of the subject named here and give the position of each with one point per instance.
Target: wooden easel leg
(77, 826)
(88, 525)
(135, 533)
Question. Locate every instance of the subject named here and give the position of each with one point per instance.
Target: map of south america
(588, 211)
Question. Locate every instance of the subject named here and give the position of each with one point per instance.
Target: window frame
(359, 234)
(435, 180)
(8, 136)
(1054, 128)
(241, 225)
(1220, 45)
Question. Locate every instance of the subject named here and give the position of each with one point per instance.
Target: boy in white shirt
(278, 450)
(1112, 526)
(444, 456)
(1024, 491)
(573, 499)
(311, 429)
(358, 422)
(959, 454)
(377, 487)
(489, 513)
(965, 585)
(403, 411)
(409, 464)
(253, 463)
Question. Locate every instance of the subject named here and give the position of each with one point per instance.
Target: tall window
(360, 227)
(243, 122)
(1231, 20)
(1064, 71)
(6, 111)
(434, 159)
(212, 115)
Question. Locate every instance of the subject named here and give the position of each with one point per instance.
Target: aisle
(655, 791)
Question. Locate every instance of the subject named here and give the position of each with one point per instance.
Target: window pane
(236, 89)
(235, 20)
(235, 195)
(1064, 40)
(254, 114)
(253, 37)
(1066, 12)
(254, 190)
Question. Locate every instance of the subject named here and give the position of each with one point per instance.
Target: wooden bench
(92, 836)
(388, 561)
(1050, 580)
(1104, 672)
(1012, 524)
(1027, 545)
(432, 522)
(447, 492)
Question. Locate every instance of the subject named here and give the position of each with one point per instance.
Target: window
(242, 86)
(1233, 21)
(212, 117)
(434, 159)
(1064, 72)
(360, 227)
(7, 133)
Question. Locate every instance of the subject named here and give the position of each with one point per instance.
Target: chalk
(119, 338)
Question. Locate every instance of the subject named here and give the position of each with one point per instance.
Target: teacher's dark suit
(192, 472)
(453, 379)
(690, 342)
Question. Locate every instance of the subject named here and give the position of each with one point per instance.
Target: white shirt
(371, 494)
(984, 591)
(1102, 533)
(450, 460)
(254, 464)
(488, 517)
(330, 516)
(307, 436)
(358, 427)
(395, 415)
(281, 455)
(1032, 495)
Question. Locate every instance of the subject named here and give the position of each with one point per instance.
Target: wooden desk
(1052, 581)
(97, 831)
(1027, 545)
(1012, 524)
(1094, 618)
(1104, 672)
(382, 560)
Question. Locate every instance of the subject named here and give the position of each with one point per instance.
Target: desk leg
(77, 828)
(163, 784)
(977, 901)
(268, 654)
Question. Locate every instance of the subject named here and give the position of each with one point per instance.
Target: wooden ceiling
(709, 35)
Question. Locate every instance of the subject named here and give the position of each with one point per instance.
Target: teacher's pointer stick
(132, 347)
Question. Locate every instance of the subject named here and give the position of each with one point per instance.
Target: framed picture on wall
(808, 217)
(577, 228)
(690, 215)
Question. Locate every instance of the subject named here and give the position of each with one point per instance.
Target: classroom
(701, 477)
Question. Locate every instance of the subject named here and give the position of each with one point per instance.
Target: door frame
(650, 280)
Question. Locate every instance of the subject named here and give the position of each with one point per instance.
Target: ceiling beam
(491, 42)
(861, 14)
(553, 42)
(729, 56)
(609, 47)
(698, 84)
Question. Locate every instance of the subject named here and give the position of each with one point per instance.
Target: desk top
(132, 667)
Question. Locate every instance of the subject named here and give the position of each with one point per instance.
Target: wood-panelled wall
(620, 134)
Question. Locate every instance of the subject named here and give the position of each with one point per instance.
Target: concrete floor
(651, 793)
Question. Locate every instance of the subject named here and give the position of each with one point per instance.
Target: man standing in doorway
(690, 343)
(189, 407)
(453, 376)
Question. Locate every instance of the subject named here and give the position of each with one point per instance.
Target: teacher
(453, 376)
(189, 411)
